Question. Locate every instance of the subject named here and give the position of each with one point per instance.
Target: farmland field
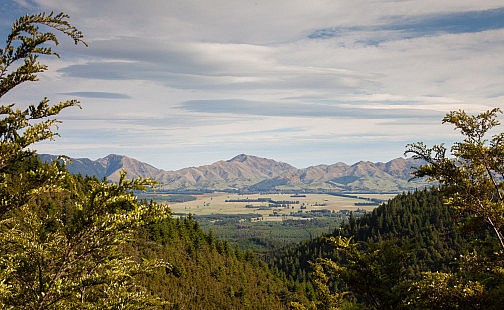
(265, 222)
(225, 203)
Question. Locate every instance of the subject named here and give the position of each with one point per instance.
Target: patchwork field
(265, 222)
(269, 206)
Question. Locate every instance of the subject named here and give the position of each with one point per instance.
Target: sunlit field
(225, 203)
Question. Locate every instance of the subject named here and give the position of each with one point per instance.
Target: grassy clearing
(215, 203)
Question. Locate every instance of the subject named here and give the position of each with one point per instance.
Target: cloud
(456, 22)
(211, 66)
(407, 27)
(96, 94)
(183, 82)
(282, 109)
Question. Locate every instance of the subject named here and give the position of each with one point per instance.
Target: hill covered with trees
(208, 271)
(381, 255)
(387, 250)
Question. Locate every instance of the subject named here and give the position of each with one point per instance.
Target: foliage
(373, 275)
(439, 290)
(208, 271)
(18, 64)
(26, 42)
(392, 247)
(416, 252)
(323, 270)
(472, 176)
(63, 238)
(471, 179)
(477, 284)
(63, 248)
(20, 128)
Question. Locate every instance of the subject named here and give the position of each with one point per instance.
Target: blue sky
(186, 83)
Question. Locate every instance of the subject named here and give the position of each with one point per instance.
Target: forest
(78, 242)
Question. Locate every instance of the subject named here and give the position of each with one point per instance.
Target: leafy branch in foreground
(64, 239)
(26, 42)
(472, 176)
(19, 63)
(66, 247)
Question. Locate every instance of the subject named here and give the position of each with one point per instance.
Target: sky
(179, 83)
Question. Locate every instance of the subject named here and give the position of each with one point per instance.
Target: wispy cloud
(408, 27)
(283, 109)
(97, 94)
(182, 82)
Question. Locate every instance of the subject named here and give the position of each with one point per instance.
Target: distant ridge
(251, 173)
(108, 167)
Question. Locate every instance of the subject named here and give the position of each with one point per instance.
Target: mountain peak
(239, 158)
(245, 171)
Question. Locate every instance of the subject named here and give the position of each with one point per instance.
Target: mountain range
(252, 173)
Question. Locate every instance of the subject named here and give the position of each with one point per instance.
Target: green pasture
(215, 203)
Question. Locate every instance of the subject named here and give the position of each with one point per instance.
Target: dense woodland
(208, 271)
(400, 240)
(74, 242)
(412, 234)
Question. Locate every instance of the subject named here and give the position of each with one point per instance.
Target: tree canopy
(471, 176)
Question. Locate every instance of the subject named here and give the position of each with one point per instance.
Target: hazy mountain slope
(363, 175)
(253, 173)
(82, 166)
(114, 164)
(109, 166)
(238, 172)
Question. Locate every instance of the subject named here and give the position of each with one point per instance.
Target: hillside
(207, 271)
(361, 176)
(251, 173)
(412, 234)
